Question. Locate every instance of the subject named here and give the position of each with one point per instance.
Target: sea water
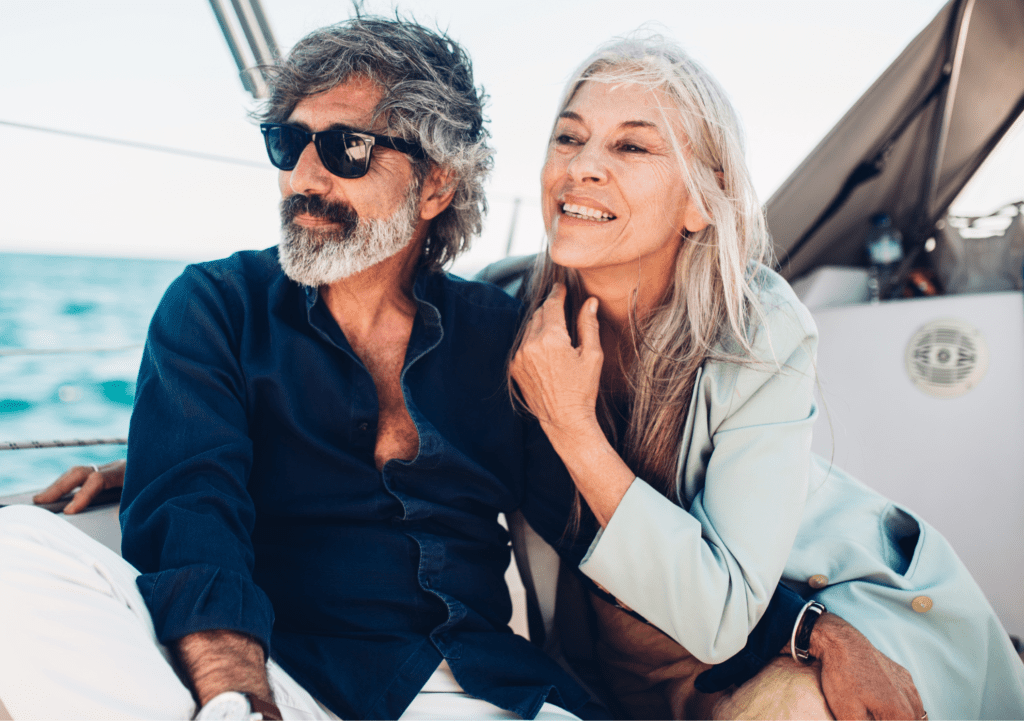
(96, 311)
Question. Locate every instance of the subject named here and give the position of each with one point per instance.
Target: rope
(74, 442)
(59, 351)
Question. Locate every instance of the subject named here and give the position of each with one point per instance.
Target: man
(322, 442)
(322, 438)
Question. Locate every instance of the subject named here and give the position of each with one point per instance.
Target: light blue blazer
(754, 506)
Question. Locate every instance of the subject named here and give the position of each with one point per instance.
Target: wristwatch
(235, 706)
(800, 642)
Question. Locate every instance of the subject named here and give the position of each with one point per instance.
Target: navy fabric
(252, 502)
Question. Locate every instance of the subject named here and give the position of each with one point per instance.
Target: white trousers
(77, 641)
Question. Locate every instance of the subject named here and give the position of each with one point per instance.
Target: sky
(160, 73)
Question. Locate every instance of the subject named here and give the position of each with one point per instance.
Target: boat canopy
(912, 141)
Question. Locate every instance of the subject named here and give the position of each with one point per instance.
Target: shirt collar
(421, 289)
(427, 332)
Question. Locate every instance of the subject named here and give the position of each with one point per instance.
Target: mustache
(317, 206)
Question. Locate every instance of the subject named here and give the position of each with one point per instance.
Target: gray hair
(713, 301)
(428, 97)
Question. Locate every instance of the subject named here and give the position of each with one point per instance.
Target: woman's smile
(584, 212)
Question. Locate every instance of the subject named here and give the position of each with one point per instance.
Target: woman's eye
(631, 148)
(566, 139)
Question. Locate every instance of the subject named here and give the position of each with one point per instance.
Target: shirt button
(363, 427)
(921, 604)
(817, 581)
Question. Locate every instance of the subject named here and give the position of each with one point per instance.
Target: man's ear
(437, 192)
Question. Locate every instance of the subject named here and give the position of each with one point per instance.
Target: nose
(309, 176)
(588, 164)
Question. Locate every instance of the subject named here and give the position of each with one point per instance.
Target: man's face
(335, 227)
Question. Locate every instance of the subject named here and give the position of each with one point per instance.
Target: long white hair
(712, 300)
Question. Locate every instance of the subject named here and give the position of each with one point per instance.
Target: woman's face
(612, 188)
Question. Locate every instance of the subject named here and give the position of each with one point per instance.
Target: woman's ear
(437, 192)
(693, 219)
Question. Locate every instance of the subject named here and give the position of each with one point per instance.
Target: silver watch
(228, 706)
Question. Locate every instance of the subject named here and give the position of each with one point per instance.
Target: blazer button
(817, 581)
(921, 604)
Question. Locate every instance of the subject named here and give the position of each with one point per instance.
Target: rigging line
(70, 443)
(61, 351)
(141, 146)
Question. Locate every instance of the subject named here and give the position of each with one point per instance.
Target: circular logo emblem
(946, 358)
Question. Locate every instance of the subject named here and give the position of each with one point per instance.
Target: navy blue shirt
(252, 502)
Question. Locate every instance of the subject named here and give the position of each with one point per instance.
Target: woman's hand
(91, 479)
(560, 382)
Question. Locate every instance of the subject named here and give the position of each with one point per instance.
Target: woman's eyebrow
(638, 124)
(571, 115)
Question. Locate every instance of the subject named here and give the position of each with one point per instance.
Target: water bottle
(884, 247)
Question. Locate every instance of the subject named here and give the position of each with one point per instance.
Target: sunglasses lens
(344, 154)
(285, 145)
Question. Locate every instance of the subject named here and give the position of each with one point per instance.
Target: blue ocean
(71, 335)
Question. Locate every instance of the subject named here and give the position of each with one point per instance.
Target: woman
(673, 373)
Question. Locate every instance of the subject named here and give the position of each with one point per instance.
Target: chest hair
(384, 355)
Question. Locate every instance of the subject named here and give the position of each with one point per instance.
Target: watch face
(228, 706)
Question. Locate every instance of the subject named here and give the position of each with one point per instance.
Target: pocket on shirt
(901, 539)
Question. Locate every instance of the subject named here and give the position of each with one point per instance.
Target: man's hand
(219, 661)
(110, 475)
(858, 680)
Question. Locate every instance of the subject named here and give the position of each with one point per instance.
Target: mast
(250, 22)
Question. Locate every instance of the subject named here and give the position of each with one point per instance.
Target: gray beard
(316, 257)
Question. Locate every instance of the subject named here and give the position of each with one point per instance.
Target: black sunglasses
(345, 153)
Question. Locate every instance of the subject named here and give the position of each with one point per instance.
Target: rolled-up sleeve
(705, 571)
(187, 517)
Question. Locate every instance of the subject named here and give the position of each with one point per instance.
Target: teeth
(582, 211)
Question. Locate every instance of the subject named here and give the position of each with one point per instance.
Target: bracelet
(800, 641)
